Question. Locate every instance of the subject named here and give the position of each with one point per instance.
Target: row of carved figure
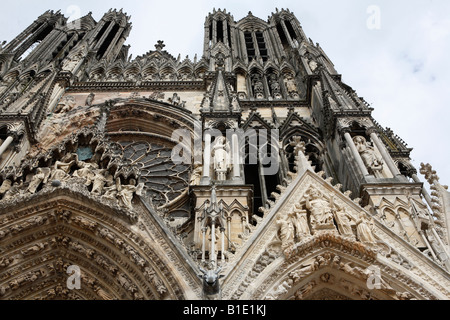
(274, 86)
(101, 182)
(323, 215)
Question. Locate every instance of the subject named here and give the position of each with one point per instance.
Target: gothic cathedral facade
(252, 172)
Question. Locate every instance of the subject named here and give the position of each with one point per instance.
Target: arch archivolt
(327, 267)
(40, 242)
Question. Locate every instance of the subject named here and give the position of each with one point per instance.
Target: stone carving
(123, 194)
(282, 289)
(151, 276)
(364, 231)
(371, 159)
(211, 284)
(291, 86)
(175, 100)
(196, 174)
(300, 221)
(275, 86)
(222, 159)
(90, 99)
(65, 105)
(321, 211)
(61, 169)
(305, 290)
(258, 87)
(344, 221)
(286, 228)
(41, 176)
(6, 185)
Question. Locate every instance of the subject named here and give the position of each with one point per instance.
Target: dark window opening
(102, 31)
(251, 52)
(105, 45)
(261, 45)
(210, 31)
(219, 31)
(284, 40)
(229, 35)
(290, 29)
(26, 49)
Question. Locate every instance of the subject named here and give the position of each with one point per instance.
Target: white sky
(401, 69)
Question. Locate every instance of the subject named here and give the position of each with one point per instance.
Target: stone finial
(160, 45)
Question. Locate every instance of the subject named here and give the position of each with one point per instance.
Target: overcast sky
(393, 53)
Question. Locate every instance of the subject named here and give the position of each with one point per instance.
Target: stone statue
(175, 100)
(290, 84)
(333, 104)
(300, 221)
(371, 160)
(90, 99)
(286, 231)
(363, 229)
(61, 169)
(86, 172)
(275, 86)
(66, 105)
(343, 220)
(125, 193)
(41, 176)
(258, 87)
(13, 191)
(6, 185)
(98, 181)
(321, 211)
(196, 175)
(221, 156)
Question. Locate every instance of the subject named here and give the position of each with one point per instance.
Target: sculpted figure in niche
(290, 85)
(66, 105)
(275, 86)
(6, 185)
(221, 156)
(13, 191)
(86, 171)
(98, 181)
(41, 176)
(286, 231)
(61, 169)
(196, 174)
(125, 193)
(363, 229)
(258, 87)
(321, 210)
(371, 160)
(300, 221)
(90, 99)
(343, 220)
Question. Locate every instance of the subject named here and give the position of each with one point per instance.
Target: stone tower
(254, 165)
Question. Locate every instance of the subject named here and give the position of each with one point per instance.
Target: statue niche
(321, 211)
(372, 161)
(221, 158)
